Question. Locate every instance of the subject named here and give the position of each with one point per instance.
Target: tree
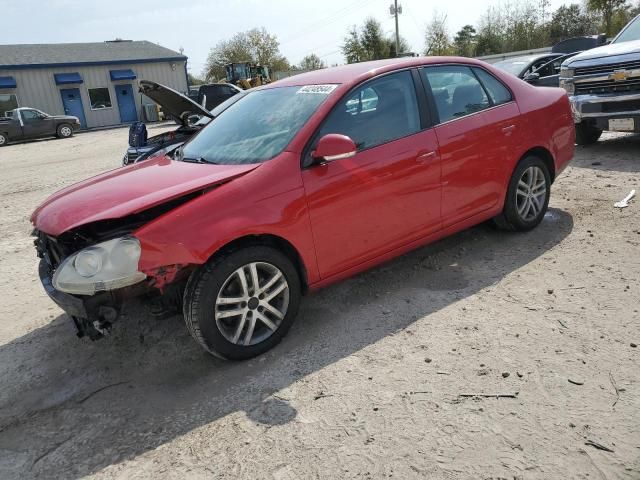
(193, 80)
(607, 8)
(351, 48)
(436, 36)
(391, 43)
(255, 46)
(571, 21)
(370, 43)
(464, 41)
(374, 46)
(311, 62)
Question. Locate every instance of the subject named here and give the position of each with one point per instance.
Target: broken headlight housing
(566, 79)
(105, 266)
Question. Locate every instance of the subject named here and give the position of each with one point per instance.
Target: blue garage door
(126, 103)
(72, 103)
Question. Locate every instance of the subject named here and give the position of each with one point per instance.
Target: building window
(99, 98)
(8, 101)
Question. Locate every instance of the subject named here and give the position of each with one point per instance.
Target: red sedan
(299, 184)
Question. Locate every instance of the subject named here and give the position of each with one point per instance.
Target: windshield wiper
(198, 160)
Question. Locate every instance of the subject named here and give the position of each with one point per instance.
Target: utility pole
(395, 11)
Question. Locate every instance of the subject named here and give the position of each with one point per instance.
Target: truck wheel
(3, 139)
(527, 196)
(65, 131)
(587, 134)
(239, 305)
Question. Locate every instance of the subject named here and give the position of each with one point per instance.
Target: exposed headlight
(566, 72)
(105, 266)
(568, 85)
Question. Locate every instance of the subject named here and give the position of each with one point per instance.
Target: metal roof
(108, 53)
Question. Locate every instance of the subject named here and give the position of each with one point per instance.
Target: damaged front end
(91, 271)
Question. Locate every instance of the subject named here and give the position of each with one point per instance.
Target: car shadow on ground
(613, 152)
(69, 408)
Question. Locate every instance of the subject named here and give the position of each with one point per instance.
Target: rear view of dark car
(213, 94)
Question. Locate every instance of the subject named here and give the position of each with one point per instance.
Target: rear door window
(456, 91)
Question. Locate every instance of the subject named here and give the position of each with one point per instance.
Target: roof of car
(355, 71)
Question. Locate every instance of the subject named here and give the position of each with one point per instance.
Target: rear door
(388, 194)
(475, 134)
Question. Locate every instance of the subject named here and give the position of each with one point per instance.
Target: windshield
(511, 66)
(632, 32)
(256, 128)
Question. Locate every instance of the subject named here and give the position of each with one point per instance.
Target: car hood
(71, 118)
(613, 50)
(128, 190)
(174, 103)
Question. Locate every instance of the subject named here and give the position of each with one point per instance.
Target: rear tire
(235, 317)
(587, 134)
(527, 196)
(3, 139)
(64, 131)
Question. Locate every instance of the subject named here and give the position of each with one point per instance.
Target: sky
(302, 27)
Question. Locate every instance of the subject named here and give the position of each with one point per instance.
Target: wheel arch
(274, 241)
(543, 154)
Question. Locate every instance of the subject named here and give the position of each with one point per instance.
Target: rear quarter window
(497, 91)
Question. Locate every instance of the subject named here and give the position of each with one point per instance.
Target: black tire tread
(195, 293)
(59, 135)
(508, 219)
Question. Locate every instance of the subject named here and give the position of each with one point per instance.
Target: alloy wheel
(65, 131)
(252, 303)
(531, 193)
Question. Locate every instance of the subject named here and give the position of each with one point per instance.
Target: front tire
(587, 134)
(3, 139)
(241, 304)
(527, 196)
(64, 131)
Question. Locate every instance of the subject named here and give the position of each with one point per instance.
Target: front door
(72, 103)
(388, 194)
(126, 103)
(36, 124)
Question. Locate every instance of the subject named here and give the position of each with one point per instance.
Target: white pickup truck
(603, 85)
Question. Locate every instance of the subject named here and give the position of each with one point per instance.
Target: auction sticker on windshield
(322, 89)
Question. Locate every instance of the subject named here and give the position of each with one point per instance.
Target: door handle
(424, 157)
(508, 130)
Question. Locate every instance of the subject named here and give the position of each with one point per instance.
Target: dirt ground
(371, 380)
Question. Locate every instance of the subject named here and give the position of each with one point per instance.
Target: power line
(335, 17)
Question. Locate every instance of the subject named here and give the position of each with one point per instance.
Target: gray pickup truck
(25, 123)
(603, 85)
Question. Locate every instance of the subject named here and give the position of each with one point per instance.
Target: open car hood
(129, 190)
(174, 103)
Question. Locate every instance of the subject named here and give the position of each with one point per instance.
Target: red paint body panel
(342, 217)
(381, 198)
(127, 190)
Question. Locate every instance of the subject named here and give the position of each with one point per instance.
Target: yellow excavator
(247, 75)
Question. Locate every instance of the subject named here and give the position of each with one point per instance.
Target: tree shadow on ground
(70, 408)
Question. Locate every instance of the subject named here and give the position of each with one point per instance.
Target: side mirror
(332, 147)
(532, 78)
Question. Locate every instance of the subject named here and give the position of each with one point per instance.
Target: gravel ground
(372, 380)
